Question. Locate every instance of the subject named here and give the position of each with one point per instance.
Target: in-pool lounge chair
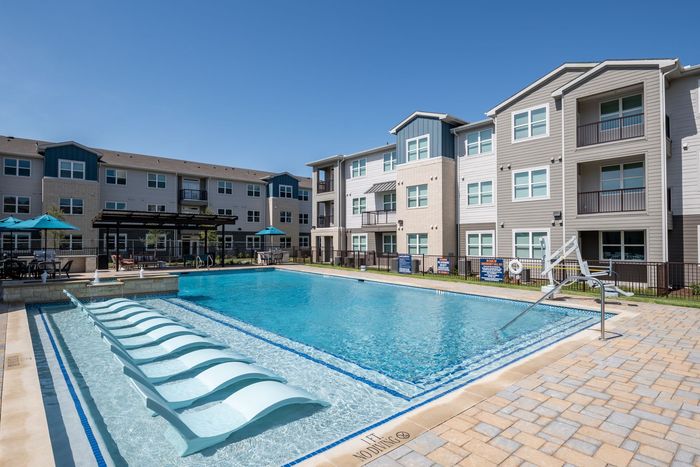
(134, 320)
(121, 314)
(185, 392)
(212, 425)
(155, 336)
(165, 349)
(100, 305)
(141, 328)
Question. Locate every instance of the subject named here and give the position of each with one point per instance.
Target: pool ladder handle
(568, 280)
(199, 262)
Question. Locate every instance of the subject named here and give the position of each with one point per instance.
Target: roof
(382, 187)
(469, 126)
(325, 160)
(546, 78)
(660, 63)
(147, 219)
(42, 147)
(31, 148)
(447, 118)
(341, 157)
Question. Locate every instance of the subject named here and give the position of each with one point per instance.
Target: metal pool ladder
(567, 281)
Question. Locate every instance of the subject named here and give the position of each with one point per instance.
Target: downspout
(664, 181)
(563, 173)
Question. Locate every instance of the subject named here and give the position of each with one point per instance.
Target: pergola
(129, 220)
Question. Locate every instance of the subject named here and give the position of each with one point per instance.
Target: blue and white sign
(405, 264)
(443, 265)
(491, 269)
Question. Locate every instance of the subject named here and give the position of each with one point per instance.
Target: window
(111, 241)
(157, 242)
(253, 216)
(285, 242)
(304, 241)
(531, 123)
(619, 176)
(480, 243)
(389, 201)
(389, 243)
(359, 168)
(225, 211)
(227, 241)
(303, 218)
(156, 208)
(15, 204)
(531, 184)
(418, 244)
(253, 242)
(285, 191)
(479, 142)
(115, 205)
(418, 148)
(156, 180)
(254, 190)
(390, 160)
(625, 245)
(286, 217)
(16, 241)
(225, 187)
(18, 167)
(417, 196)
(527, 244)
(303, 195)
(479, 193)
(72, 242)
(359, 205)
(627, 109)
(359, 242)
(71, 206)
(71, 169)
(115, 176)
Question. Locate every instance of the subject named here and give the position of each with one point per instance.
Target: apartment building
(606, 151)
(80, 181)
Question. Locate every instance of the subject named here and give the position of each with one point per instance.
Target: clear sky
(273, 85)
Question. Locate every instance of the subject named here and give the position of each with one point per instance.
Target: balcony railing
(193, 195)
(324, 186)
(615, 129)
(627, 199)
(325, 221)
(378, 217)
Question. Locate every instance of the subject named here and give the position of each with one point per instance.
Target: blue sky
(273, 85)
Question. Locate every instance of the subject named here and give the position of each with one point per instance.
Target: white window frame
(71, 242)
(418, 245)
(480, 193)
(116, 177)
(530, 197)
(303, 195)
(303, 218)
(73, 164)
(225, 212)
(254, 189)
(286, 242)
(393, 243)
(417, 140)
(530, 231)
(392, 202)
(72, 207)
(418, 197)
(479, 143)
(359, 207)
(115, 204)
(529, 111)
(252, 215)
(253, 242)
(285, 217)
(160, 245)
(16, 204)
(16, 167)
(113, 243)
(622, 245)
(284, 190)
(157, 176)
(392, 160)
(226, 186)
(481, 245)
(360, 168)
(621, 178)
(156, 207)
(15, 240)
(304, 241)
(639, 110)
(363, 246)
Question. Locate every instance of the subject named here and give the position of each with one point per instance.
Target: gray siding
(464, 228)
(23, 186)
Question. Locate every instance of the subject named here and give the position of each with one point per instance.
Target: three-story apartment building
(607, 151)
(81, 181)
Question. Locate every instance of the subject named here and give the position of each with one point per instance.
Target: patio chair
(124, 263)
(65, 269)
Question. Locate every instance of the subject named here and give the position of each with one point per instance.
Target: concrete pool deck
(632, 400)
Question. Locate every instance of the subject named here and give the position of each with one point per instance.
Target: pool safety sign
(491, 269)
(443, 265)
(405, 264)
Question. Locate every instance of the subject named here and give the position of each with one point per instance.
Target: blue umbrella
(270, 230)
(44, 222)
(8, 225)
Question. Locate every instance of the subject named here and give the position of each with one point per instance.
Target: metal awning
(165, 220)
(382, 187)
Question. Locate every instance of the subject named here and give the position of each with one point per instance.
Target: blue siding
(283, 179)
(73, 153)
(441, 140)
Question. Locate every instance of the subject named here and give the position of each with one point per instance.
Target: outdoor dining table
(55, 266)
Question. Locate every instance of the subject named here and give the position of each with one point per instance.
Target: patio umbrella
(44, 222)
(270, 231)
(8, 225)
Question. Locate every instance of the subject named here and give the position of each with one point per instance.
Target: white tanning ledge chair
(153, 337)
(204, 428)
(166, 349)
(99, 306)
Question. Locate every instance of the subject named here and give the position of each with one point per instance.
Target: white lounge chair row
(173, 366)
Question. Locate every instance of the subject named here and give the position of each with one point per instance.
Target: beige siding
(476, 227)
(23, 186)
(89, 191)
(356, 187)
(474, 169)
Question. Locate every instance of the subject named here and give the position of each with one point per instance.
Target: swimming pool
(372, 350)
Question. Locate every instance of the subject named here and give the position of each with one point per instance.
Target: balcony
(324, 221)
(378, 218)
(624, 200)
(193, 195)
(605, 131)
(324, 186)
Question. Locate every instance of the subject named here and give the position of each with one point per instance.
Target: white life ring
(515, 267)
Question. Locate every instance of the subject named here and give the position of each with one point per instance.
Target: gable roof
(442, 117)
(43, 147)
(546, 78)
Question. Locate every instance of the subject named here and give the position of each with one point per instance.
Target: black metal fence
(623, 200)
(613, 129)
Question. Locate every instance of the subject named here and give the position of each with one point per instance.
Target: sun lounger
(185, 392)
(165, 349)
(201, 429)
(116, 308)
(99, 305)
(163, 370)
(131, 311)
(133, 320)
(141, 328)
(155, 336)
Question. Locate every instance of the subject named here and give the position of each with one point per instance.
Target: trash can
(102, 262)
